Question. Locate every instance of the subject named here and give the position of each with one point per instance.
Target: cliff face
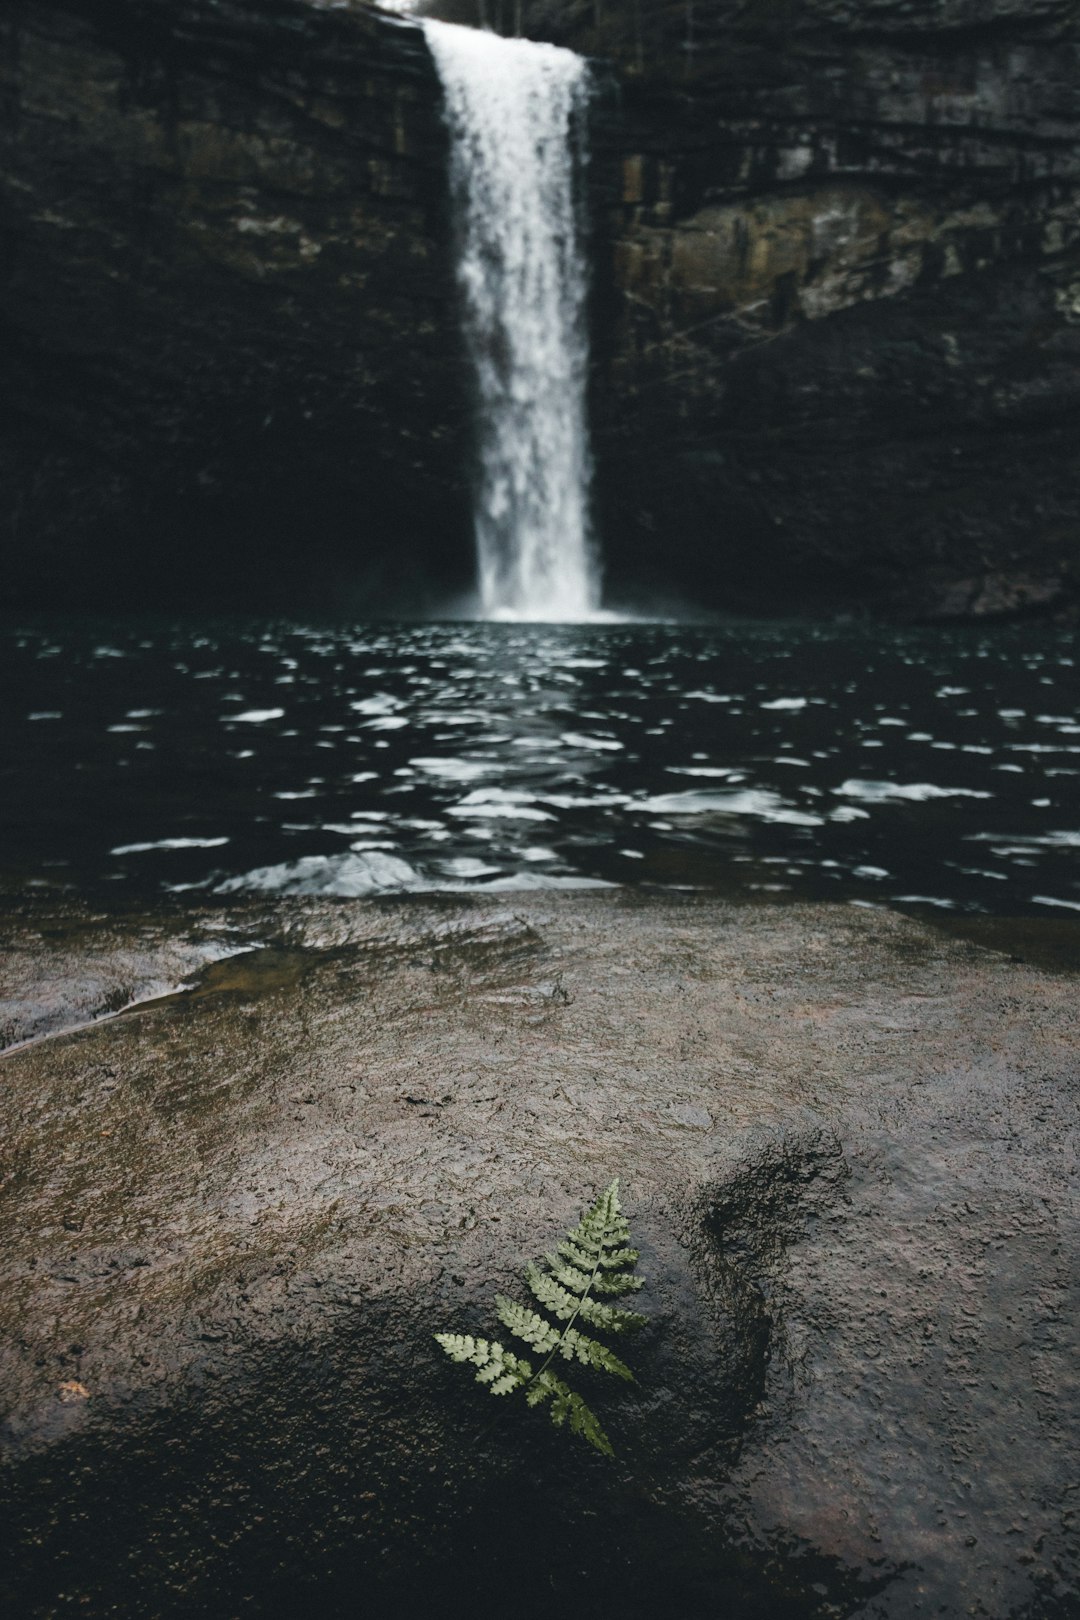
(839, 297)
(231, 366)
(844, 299)
(837, 302)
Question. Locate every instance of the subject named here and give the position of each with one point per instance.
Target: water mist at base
(515, 111)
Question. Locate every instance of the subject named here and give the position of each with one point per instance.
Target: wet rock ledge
(233, 1218)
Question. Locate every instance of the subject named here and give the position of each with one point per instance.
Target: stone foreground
(233, 1219)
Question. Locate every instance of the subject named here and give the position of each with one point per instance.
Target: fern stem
(562, 1336)
(529, 1382)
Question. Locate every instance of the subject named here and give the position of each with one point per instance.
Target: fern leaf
(578, 1257)
(619, 1257)
(622, 1284)
(526, 1325)
(565, 1403)
(563, 1304)
(575, 1346)
(595, 1258)
(583, 1243)
(577, 1281)
(603, 1224)
(506, 1382)
(463, 1347)
(499, 1368)
(612, 1318)
(550, 1293)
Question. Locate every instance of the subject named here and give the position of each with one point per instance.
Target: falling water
(515, 111)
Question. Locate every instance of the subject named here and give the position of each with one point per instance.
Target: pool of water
(914, 767)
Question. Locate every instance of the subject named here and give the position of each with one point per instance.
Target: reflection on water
(935, 767)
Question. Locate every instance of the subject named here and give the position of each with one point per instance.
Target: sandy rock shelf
(233, 1219)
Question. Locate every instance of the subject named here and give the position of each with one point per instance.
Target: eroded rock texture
(229, 358)
(233, 1221)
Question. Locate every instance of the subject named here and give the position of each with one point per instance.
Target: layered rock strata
(836, 322)
(231, 367)
(839, 297)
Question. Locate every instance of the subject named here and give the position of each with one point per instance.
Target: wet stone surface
(233, 1219)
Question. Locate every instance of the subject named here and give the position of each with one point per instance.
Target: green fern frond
(617, 1285)
(619, 1257)
(531, 1329)
(578, 1257)
(594, 1258)
(539, 1334)
(500, 1369)
(564, 1303)
(550, 1293)
(575, 1346)
(580, 1281)
(566, 1403)
(570, 1277)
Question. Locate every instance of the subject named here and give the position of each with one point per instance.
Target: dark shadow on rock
(234, 1223)
(342, 1466)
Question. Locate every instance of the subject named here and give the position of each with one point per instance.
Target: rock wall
(839, 300)
(837, 303)
(231, 368)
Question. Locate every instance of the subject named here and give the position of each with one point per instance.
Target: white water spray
(515, 111)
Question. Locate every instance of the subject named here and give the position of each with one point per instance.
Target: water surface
(913, 767)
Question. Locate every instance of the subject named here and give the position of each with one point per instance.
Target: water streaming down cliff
(515, 111)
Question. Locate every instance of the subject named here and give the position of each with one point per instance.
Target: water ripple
(817, 761)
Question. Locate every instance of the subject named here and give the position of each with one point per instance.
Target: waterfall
(515, 112)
